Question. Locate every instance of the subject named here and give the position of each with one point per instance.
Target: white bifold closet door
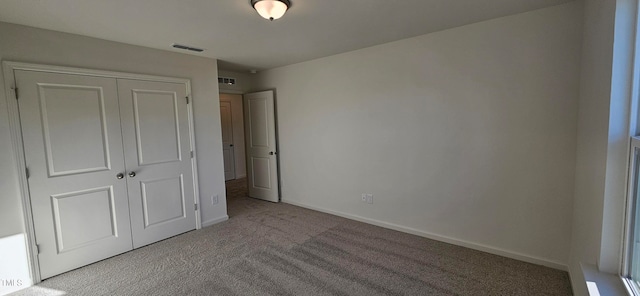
(109, 165)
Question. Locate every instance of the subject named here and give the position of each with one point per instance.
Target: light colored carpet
(280, 249)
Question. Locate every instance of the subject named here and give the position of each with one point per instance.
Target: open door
(260, 134)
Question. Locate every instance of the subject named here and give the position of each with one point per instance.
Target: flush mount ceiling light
(271, 9)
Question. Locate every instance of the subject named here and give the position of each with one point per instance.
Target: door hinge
(38, 248)
(191, 154)
(187, 97)
(195, 207)
(26, 170)
(15, 90)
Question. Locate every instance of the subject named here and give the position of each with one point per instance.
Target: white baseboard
(215, 221)
(429, 235)
(241, 176)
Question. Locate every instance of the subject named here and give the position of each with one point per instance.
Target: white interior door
(228, 150)
(260, 134)
(73, 150)
(156, 138)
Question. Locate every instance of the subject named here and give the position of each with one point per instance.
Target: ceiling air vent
(180, 46)
(227, 80)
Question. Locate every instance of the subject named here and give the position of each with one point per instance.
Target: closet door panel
(73, 152)
(156, 138)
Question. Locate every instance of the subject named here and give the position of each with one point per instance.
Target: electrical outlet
(367, 197)
(214, 199)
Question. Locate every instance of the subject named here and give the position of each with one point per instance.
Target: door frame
(18, 147)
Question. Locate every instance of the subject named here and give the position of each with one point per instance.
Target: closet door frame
(9, 68)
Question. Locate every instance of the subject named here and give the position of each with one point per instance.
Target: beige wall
(466, 135)
(32, 45)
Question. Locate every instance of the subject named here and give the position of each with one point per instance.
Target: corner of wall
(592, 159)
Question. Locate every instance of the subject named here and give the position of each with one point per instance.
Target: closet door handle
(132, 174)
(119, 176)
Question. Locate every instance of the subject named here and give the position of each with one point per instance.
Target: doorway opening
(232, 121)
(250, 143)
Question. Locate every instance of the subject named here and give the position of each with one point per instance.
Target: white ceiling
(231, 31)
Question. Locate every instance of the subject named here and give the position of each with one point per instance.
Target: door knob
(132, 174)
(230, 145)
(119, 176)
(271, 153)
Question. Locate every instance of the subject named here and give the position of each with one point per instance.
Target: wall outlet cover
(214, 199)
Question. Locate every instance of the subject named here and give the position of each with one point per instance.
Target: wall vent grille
(227, 80)
(180, 46)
